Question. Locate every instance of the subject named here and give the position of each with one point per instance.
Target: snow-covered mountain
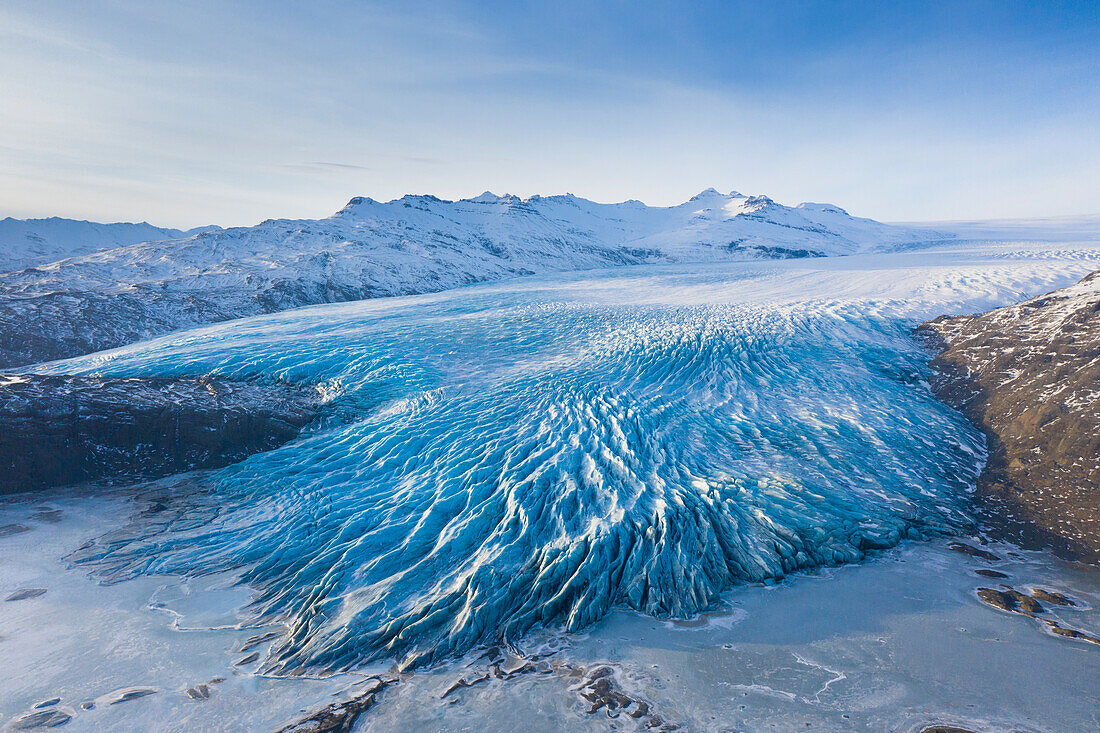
(28, 242)
(414, 244)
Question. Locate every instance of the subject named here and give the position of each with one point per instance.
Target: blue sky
(196, 112)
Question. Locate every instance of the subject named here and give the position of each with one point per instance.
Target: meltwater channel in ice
(534, 453)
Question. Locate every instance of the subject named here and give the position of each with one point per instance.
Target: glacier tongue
(517, 457)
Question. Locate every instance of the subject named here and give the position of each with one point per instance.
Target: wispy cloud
(324, 166)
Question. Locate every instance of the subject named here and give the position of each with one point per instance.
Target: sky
(196, 112)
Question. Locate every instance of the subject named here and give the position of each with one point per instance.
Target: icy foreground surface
(537, 452)
(887, 645)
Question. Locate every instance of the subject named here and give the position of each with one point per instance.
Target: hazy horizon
(198, 114)
(1061, 218)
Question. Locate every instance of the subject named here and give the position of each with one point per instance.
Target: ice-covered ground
(518, 459)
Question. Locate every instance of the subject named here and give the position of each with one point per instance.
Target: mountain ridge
(29, 242)
(414, 244)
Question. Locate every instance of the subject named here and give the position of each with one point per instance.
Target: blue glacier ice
(535, 453)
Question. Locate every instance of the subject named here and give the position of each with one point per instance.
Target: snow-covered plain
(519, 459)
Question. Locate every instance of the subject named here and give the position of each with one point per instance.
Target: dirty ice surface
(606, 454)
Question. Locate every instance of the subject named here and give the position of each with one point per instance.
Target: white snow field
(579, 462)
(29, 242)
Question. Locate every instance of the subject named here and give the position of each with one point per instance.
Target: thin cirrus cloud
(232, 113)
(326, 167)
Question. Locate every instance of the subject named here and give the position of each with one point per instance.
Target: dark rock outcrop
(1052, 597)
(987, 573)
(597, 689)
(133, 693)
(42, 719)
(1011, 600)
(1007, 598)
(58, 430)
(1029, 376)
(972, 551)
(25, 593)
(340, 717)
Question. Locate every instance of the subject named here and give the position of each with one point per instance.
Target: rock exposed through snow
(1029, 376)
(62, 430)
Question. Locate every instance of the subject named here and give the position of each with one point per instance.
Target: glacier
(536, 453)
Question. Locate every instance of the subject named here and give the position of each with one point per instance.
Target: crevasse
(510, 458)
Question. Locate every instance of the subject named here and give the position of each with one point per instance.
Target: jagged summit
(707, 193)
(360, 201)
(710, 196)
(488, 197)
